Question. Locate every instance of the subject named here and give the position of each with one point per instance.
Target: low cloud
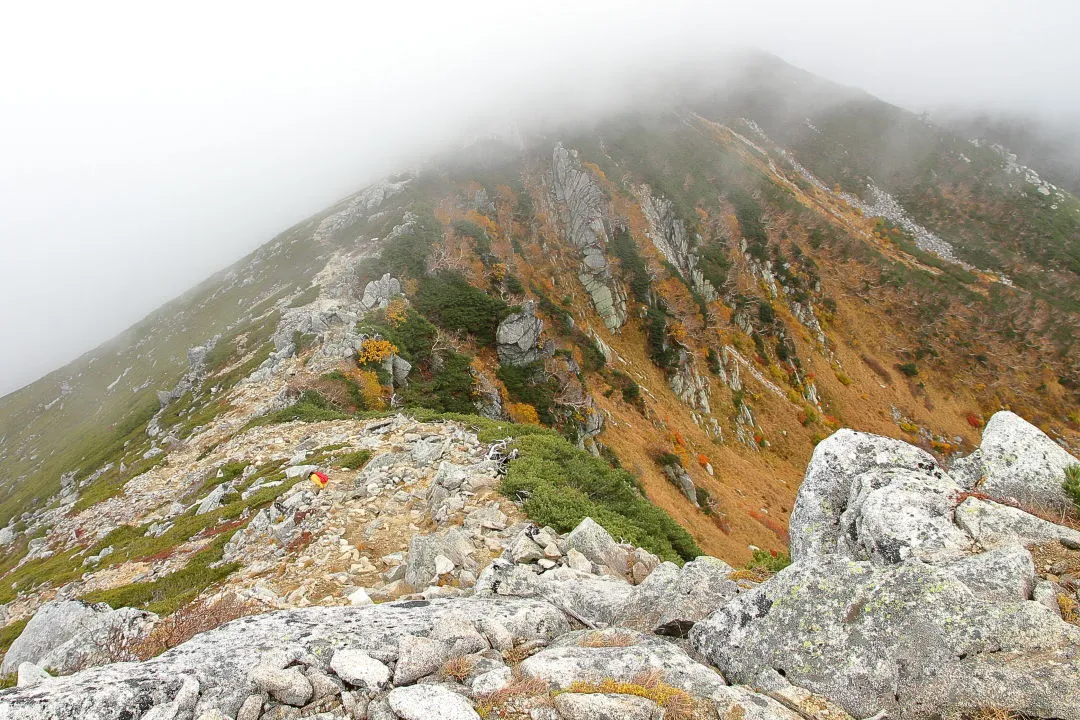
(146, 146)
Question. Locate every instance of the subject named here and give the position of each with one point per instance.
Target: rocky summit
(757, 402)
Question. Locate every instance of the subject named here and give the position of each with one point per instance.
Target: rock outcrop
(581, 202)
(905, 639)
(68, 635)
(1018, 461)
(669, 234)
(517, 340)
(908, 596)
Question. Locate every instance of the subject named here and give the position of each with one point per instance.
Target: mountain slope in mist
(696, 293)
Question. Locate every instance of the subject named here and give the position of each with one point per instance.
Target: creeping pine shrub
(910, 369)
(481, 241)
(656, 331)
(405, 251)
(449, 301)
(562, 485)
(354, 460)
(665, 459)
(310, 407)
(413, 335)
(631, 263)
(530, 384)
(449, 389)
(1072, 483)
(770, 561)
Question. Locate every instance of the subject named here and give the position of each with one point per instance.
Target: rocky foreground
(914, 592)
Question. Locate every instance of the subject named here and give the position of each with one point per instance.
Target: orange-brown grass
(500, 704)
(458, 667)
(678, 704)
(1070, 609)
(756, 574)
(194, 618)
(612, 639)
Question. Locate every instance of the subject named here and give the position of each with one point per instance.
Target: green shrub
(660, 351)
(909, 369)
(610, 456)
(413, 337)
(766, 314)
(310, 407)
(563, 485)
(10, 633)
(773, 562)
(631, 391)
(592, 359)
(666, 459)
(713, 360)
(306, 297)
(530, 384)
(449, 389)
(714, 264)
(1072, 483)
(704, 500)
(167, 594)
(449, 301)
(354, 460)
(481, 241)
(630, 261)
(405, 253)
(513, 285)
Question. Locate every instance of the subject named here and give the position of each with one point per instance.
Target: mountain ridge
(689, 298)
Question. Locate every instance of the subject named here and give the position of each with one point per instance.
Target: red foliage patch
(226, 527)
(778, 528)
(300, 542)
(974, 421)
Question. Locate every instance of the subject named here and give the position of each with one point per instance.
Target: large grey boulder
(30, 674)
(685, 594)
(288, 686)
(517, 339)
(424, 702)
(452, 544)
(904, 639)
(221, 659)
(992, 524)
(358, 668)
(417, 657)
(892, 515)
(815, 523)
(1017, 461)
(68, 635)
(621, 655)
(1004, 574)
(592, 541)
(591, 600)
(681, 479)
(377, 293)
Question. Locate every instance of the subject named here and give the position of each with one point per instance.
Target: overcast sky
(145, 145)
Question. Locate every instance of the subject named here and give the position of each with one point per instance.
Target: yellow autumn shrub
(374, 350)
